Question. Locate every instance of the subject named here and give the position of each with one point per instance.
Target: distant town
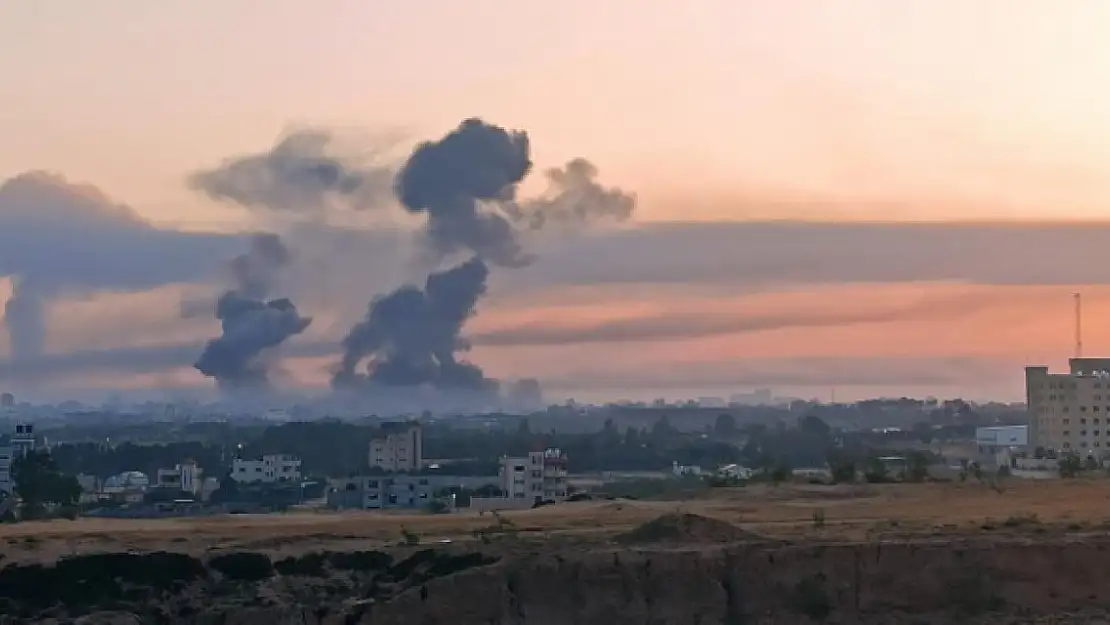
(157, 460)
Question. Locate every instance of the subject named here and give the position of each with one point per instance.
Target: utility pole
(1078, 326)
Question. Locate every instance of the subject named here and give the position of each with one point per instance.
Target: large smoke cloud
(299, 174)
(411, 336)
(59, 238)
(466, 185)
(250, 324)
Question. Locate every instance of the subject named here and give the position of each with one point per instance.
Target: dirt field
(790, 512)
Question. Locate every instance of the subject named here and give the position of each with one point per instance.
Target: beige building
(1070, 412)
(398, 446)
(541, 476)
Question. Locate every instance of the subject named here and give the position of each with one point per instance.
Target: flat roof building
(1070, 412)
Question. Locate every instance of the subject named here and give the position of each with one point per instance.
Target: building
(1069, 412)
(398, 446)
(541, 476)
(381, 492)
(269, 469)
(7, 400)
(185, 477)
(20, 442)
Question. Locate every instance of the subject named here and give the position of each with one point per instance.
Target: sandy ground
(850, 512)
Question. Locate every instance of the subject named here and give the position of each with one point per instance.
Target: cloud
(731, 320)
(57, 237)
(301, 173)
(798, 373)
(72, 237)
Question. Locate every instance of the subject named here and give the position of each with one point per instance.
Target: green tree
(917, 467)
(38, 482)
(1070, 465)
(725, 425)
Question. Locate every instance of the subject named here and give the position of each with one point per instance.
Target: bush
(243, 565)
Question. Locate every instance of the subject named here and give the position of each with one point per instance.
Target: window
(1067, 421)
(1066, 433)
(1083, 421)
(1082, 409)
(1067, 445)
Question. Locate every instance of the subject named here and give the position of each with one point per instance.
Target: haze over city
(879, 198)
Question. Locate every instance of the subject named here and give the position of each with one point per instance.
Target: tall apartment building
(1070, 412)
(541, 476)
(398, 446)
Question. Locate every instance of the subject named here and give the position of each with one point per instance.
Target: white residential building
(269, 469)
(540, 476)
(185, 477)
(398, 446)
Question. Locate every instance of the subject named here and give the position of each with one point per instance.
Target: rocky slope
(510, 582)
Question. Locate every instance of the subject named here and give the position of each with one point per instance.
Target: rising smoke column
(25, 319)
(251, 324)
(466, 185)
(412, 335)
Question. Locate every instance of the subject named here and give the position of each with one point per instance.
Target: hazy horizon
(842, 195)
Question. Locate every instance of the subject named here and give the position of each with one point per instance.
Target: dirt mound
(687, 528)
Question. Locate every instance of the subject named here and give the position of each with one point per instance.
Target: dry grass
(850, 513)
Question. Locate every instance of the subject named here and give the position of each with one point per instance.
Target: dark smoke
(411, 336)
(450, 179)
(250, 324)
(466, 184)
(296, 175)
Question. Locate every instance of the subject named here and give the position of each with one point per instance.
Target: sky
(978, 133)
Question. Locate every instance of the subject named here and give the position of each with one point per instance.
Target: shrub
(243, 565)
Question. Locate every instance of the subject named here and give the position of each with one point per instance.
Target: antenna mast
(1078, 326)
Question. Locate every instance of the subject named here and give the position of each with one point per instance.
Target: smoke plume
(25, 319)
(256, 270)
(574, 197)
(250, 324)
(466, 185)
(450, 179)
(411, 336)
(299, 174)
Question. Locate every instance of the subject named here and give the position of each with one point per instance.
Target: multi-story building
(185, 477)
(379, 491)
(540, 476)
(1070, 412)
(269, 469)
(398, 446)
(20, 442)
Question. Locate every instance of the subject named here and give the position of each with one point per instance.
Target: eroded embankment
(940, 582)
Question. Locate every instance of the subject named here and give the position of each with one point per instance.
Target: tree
(1070, 465)
(876, 471)
(917, 467)
(38, 482)
(725, 426)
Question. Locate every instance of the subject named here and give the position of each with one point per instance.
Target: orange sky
(827, 110)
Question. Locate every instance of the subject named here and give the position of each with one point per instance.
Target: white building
(398, 446)
(20, 442)
(269, 469)
(376, 492)
(184, 477)
(1070, 412)
(541, 476)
